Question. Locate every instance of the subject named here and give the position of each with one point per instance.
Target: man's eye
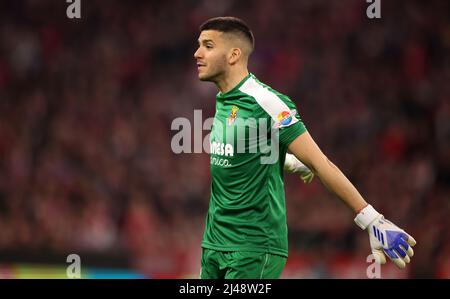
(208, 46)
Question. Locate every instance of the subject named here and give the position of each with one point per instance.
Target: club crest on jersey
(233, 115)
(285, 118)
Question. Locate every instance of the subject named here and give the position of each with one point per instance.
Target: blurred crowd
(86, 107)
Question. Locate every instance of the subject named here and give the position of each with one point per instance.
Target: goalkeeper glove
(385, 238)
(293, 165)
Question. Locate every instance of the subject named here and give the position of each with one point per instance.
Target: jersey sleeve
(289, 123)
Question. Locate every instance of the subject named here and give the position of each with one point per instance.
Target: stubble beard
(215, 74)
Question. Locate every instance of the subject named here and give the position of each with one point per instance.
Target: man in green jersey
(254, 127)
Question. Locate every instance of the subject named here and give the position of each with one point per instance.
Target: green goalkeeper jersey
(252, 128)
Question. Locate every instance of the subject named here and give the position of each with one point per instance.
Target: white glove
(294, 165)
(386, 238)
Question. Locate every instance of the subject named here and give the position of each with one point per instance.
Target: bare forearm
(307, 151)
(337, 183)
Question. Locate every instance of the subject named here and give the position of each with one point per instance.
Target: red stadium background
(86, 107)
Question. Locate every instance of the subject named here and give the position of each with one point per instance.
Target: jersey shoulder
(280, 108)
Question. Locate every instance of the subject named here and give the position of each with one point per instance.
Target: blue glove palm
(394, 242)
(386, 238)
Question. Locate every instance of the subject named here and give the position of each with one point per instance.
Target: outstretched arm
(385, 237)
(307, 151)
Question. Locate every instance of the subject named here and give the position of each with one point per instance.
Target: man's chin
(210, 77)
(204, 77)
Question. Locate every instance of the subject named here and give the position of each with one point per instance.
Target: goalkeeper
(246, 233)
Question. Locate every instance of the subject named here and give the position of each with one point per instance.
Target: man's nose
(197, 54)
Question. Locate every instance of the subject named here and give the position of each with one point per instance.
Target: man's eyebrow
(204, 41)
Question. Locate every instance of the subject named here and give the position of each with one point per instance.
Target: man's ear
(235, 55)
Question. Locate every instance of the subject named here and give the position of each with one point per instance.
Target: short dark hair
(229, 24)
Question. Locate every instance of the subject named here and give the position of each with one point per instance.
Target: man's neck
(230, 81)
